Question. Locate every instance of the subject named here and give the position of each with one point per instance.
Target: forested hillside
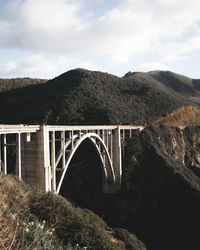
(178, 85)
(89, 97)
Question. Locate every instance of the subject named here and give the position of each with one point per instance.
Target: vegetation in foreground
(33, 219)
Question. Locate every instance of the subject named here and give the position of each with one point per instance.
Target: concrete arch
(92, 137)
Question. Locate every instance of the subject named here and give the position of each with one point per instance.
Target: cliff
(162, 186)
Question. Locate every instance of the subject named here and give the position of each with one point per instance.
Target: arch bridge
(44, 152)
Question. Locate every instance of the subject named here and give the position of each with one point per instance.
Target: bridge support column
(35, 160)
(18, 156)
(117, 158)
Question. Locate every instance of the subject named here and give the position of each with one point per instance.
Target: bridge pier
(117, 158)
(35, 160)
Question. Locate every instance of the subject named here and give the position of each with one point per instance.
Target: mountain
(90, 97)
(176, 84)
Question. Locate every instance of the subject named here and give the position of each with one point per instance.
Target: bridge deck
(21, 128)
(91, 127)
(13, 129)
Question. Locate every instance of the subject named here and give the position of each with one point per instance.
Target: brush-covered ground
(33, 219)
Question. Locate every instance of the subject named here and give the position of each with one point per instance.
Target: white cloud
(120, 33)
(4, 28)
(52, 25)
(35, 66)
(41, 66)
(151, 66)
(43, 24)
(131, 28)
(86, 65)
(7, 68)
(174, 51)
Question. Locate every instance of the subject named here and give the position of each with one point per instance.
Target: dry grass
(185, 116)
(7, 228)
(13, 192)
(111, 236)
(12, 198)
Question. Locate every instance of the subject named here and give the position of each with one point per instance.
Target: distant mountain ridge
(171, 82)
(15, 83)
(90, 97)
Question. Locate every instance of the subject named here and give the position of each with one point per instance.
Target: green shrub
(33, 219)
(71, 224)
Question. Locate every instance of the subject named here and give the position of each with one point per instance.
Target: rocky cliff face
(162, 186)
(172, 144)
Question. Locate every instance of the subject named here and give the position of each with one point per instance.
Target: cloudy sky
(44, 38)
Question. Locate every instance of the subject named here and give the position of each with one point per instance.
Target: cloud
(51, 25)
(129, 29)
(87, 65)
(152, 66)
(35, 66)
(174, 51)
(40, 66)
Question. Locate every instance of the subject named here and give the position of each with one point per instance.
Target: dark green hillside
(9, 84)
(174, 81)
(89, 97)
(170, 82)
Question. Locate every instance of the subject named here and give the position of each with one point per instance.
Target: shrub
(71, 224)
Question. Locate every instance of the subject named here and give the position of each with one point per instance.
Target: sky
(45, 38)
